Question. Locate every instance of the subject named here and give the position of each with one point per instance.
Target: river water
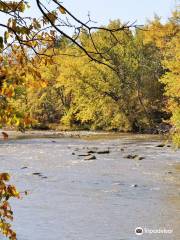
(101, 199)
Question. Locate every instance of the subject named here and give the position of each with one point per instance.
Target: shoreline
(80, 134)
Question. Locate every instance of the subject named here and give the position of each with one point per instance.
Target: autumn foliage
(107, 78)
(7, 192)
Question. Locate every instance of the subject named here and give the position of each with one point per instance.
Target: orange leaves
(27, 121)
(1, 60)
(12, 192)
(4, 177)
(62, 10)
(7, 91)
(6, 213)
(37, 74)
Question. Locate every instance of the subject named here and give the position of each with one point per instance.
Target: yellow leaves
(171, 80)
(6, 230)
(62, 10)
(51, 16)
(13, 6)
(161, 34)
(36, 24)
(21, 6)
(43, 84)
(37, 74)
(1, 42)
(7, 91)
(6, 36)
(12, 23)
(11, 190)
(6, 213)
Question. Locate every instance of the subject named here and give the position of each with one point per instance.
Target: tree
(166, 38)
(123, 99)
(172, 85)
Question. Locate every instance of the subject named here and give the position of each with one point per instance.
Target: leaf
(4, 177)
(62, 10)
(1, 43)
(6, 36)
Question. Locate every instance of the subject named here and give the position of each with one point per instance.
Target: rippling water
(102, 199)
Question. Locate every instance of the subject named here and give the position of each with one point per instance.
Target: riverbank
(79, 134)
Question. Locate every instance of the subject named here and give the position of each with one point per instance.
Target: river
(106, 198)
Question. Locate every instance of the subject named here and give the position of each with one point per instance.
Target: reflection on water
(102, 199)
(177, 167)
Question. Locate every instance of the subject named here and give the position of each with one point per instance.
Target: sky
(126, 10)
(102, 11)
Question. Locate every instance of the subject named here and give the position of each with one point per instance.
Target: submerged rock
(44, 177)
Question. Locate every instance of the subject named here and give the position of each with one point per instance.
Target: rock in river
(24, 167)
(140, 158)
(37, 173)
(134, 185)
(161, 145)
(103, 151)
(91, 151)
(90, 157)
(84, 155)
(130, 156)
(134, 156)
